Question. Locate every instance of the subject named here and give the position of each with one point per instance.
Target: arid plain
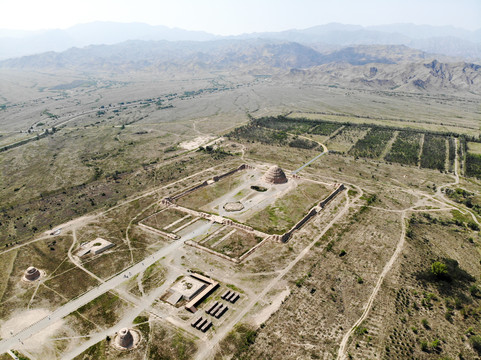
(389, 267)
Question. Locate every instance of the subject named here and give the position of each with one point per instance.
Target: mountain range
(269, 55)
(445, 40)
(381, 67)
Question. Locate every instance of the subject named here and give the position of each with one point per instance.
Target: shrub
(473, 226)
(424, 346)
(360, 331)
(439, 269)
(476, 343)
(474, 291)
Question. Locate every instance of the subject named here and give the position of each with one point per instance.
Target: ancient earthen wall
(331, 195)
(305, 219)
(188, 191)
(163, 233)
(285, 237)
(210, 251)
(215, 178)
(246, 254)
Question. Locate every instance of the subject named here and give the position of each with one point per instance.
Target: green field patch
(302, 143)
(297, 126)
(153, 277)
(181, 223)
(288, 210)
(473, 165)
(459, 216)
(104, 310)
(434, 152)
(260, 134)
(324, 128)
(373, 144)
(405, 150)
(474, 148)
(212, 229)
(346, 138)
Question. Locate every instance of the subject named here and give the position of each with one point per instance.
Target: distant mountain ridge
(219, 54)
(442, 40)
(392, 67)
(433, 76)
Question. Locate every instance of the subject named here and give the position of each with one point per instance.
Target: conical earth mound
(275, 175)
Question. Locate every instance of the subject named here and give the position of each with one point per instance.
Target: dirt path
(388, 146)
(344, 342)
(456, 161)
(83, 220)
(144, 304)
(105, 286)
(420, 150)
(207, 347)
(325, 151)
(77, 263)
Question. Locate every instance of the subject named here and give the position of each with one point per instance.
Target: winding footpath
(345, 340)
(208, 348)
(112, 283)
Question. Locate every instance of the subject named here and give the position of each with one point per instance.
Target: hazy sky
(238, 16)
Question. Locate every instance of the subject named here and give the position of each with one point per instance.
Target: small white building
(94, 247)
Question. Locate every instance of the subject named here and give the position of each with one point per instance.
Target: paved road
(208, 348)
(312, 160)
(73, 305)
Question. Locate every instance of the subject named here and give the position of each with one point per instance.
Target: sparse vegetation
(116, 162)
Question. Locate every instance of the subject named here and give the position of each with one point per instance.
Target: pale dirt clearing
(195, 143)
(24, 319)
(274, 305)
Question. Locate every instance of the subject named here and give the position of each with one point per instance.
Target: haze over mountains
(334, 54)
(445, 40)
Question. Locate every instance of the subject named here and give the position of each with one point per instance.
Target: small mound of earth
(233, 206)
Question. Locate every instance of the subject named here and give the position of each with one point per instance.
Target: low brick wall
(332, 195)
(314, 211)
(166, 234)
(210, 251)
